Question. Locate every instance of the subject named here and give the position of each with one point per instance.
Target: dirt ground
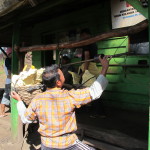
(6, 142)
(31, 140)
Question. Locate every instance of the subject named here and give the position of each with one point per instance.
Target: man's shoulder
(49, 94)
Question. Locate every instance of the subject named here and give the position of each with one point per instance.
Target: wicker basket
(28, 93)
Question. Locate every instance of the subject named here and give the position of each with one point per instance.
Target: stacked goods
(27, 84)
(88, 77)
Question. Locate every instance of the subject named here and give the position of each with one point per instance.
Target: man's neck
(53, 88)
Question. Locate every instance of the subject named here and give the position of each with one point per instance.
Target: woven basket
(28, 93)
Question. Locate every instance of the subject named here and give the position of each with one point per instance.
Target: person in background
(68, 78)
(6, 98)
(88, 52)
(55, 108)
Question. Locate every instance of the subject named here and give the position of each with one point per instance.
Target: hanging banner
(124, 15)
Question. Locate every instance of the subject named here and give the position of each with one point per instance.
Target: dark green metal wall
(128, 81)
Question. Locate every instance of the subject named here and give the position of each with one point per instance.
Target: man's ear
(58, 83)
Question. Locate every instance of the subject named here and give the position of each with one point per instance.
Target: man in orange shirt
(55, 108)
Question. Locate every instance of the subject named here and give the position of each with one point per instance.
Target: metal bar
(89, 60)
(114, 65)
(78, 62)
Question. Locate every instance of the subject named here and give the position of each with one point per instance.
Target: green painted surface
(135, 88)
(36, 59)
(113, 42)
(128, 86)
(137, 5)
(14, 118)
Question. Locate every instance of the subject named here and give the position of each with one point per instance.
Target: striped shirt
(55, 112)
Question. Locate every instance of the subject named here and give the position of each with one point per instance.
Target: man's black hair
(50, 76)
(85, 30)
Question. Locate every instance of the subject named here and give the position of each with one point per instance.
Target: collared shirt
(55, 112)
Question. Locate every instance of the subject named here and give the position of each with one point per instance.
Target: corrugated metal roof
(7, 6)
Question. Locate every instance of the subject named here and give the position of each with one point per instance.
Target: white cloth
(98, 87)
(21, 110)
(96, 90)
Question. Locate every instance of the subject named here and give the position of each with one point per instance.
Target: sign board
(124, 15)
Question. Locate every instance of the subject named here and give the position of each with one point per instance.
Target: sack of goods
(27, 84)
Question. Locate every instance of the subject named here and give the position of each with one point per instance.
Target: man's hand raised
(15, 96)
(105, 64)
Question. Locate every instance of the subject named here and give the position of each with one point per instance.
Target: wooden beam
(100, 145)
(113, 33)
(117, 139)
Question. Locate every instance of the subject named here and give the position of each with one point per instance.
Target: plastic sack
(39, 75)
(76, 78)
(92, 68)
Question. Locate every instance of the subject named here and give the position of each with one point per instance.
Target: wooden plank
(127, 98)
(137, 79)
(126, 105)
(129, 88)
(100, 145)
(115, 42)
(115, 78)
(115, 138)
(7, 6)
(127, 60)
(129, 70)
(142, 71)
(112, 51)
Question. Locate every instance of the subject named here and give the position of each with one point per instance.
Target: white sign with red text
(124, 15)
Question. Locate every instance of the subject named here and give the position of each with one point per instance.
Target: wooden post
(16, 125)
